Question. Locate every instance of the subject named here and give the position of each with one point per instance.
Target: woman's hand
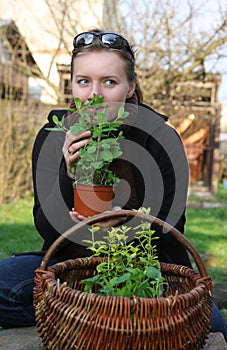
(71, 148)
(75, 216)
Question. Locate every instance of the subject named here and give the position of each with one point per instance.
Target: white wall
(36, 25)
(224, 118)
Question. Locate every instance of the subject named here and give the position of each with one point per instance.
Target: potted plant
(127, 270)
(92, 173)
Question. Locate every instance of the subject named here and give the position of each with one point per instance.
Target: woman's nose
(97, 90)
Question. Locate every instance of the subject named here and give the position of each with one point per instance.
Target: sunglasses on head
(111, 40)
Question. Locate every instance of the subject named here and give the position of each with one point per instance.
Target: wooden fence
(19, 124)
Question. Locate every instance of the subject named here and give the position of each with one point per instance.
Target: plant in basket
(122, 298)
(129, 269)
(92, 169)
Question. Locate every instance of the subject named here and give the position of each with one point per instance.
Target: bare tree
(174, 39)
(173, 42)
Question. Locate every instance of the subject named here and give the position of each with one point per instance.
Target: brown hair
(123, 52)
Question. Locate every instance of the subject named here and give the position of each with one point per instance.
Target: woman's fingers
(74, 142)
(71, 148)
(75, 147)
(75, 216)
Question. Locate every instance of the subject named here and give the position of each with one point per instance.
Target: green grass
(205, 228)
(17, 231)
(222, 194)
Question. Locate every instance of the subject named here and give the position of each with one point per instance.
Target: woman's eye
(82, 81)
(110, 82)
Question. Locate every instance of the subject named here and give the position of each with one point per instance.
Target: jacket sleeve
(53, 191)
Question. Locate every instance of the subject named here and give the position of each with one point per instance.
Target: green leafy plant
(92, 167)
(127, 269)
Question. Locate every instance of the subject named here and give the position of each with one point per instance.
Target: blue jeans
(16, 290)
(16, 294)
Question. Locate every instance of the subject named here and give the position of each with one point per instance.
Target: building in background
(44, 45)
(48, 36)
(17, 64)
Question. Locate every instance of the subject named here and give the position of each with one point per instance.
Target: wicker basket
(69, 318)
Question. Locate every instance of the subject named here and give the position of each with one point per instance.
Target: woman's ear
(131, 89)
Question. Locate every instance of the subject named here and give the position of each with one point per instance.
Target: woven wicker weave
(68, 318)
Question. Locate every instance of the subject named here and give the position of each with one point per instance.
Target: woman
(103, 63)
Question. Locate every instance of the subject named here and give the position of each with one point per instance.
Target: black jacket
(158, 175)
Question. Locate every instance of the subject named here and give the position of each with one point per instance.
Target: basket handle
(129, 214)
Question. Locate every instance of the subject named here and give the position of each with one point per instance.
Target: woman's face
(101, 72)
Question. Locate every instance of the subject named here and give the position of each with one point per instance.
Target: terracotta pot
(90, 200)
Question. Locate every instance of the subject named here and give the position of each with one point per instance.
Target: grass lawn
(205, 228)
(17, 231)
